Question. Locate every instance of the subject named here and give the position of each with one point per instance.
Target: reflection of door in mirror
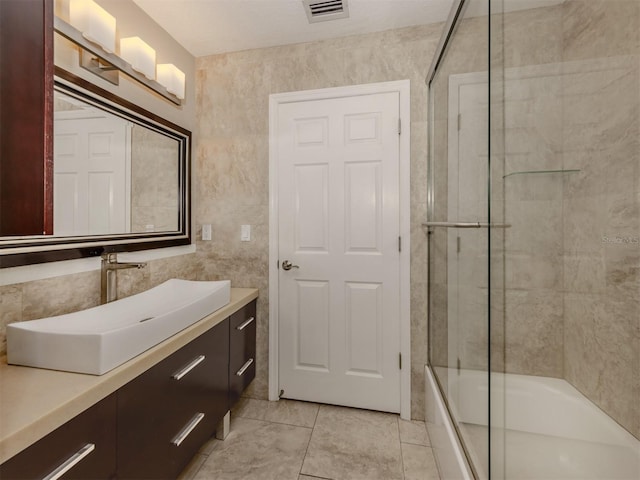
(111, 176)
(91, 168)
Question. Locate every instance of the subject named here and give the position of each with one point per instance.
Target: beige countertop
(35, 401)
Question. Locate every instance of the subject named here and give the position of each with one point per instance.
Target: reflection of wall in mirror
(154, 181)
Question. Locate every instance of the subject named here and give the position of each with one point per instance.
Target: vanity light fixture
(95, 23)
(140, 55)
(171, 77)
(106, 65)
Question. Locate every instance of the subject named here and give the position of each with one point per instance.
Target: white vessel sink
(99, 339)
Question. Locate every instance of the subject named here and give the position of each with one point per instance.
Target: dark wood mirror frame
(26, 117)
(26, 147)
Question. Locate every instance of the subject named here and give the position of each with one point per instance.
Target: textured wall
(233, 148)
(533, 326)
(154, 181)
(572, 257)
(601, 204)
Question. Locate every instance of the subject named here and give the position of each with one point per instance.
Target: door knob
(286, 265)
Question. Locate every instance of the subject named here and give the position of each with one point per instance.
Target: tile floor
(290, 440)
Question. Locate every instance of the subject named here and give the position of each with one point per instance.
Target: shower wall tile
(532, 37)
(533, 328)
(535, 332)
(232, 157)
(602, 353)
(600, 28)
(601, 205)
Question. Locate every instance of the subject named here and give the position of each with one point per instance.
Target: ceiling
(207, 27)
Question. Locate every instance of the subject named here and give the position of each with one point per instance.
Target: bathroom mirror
(120, 179)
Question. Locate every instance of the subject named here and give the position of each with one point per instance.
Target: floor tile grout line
(414, 443)
(306, 450)
(400, 445)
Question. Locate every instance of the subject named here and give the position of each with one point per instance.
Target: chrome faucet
(109, 281)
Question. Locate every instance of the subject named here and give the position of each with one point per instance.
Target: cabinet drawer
(165, 414)
(86, 445)
(242, 350)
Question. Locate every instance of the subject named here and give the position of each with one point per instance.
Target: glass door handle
(465, 225)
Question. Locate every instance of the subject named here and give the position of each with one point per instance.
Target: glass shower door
(465, 247)
(458, 228)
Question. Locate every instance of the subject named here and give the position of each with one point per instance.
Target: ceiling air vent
(325, 10)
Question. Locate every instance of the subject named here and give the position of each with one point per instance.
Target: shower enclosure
(534, 241)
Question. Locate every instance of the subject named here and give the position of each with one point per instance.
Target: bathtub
(542, 428)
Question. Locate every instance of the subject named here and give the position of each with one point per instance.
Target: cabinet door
(242, 354)
(86, 444)
(165, 414)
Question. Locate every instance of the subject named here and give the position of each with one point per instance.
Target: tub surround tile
(534, 332)
(601, 28)
(354, 444)
(601, 118)
(603, 353)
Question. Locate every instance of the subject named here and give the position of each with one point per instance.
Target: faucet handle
(111, 257)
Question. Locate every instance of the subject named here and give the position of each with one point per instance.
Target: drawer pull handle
(188, 428)
(193, 364)
(244, 367)
(245, 324)
(71, 462)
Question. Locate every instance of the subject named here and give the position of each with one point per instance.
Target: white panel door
(339, 307)
(90, 176)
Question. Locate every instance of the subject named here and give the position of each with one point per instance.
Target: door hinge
(459, 121)
(457, 244)
(399, 126)
(400, 361)
(458, 364)
(278, 265)
(400, 244)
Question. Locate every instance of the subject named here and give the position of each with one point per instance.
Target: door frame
(403, 88)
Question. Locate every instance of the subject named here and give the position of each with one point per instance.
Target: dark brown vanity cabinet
(168, 412)
(84, 446)
(152, 426)
(242, 354)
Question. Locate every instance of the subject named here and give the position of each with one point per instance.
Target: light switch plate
(206, 232)
(245, 233)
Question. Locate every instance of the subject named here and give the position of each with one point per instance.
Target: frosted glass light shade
(95, 23)
(140, 55)
(172, 78)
